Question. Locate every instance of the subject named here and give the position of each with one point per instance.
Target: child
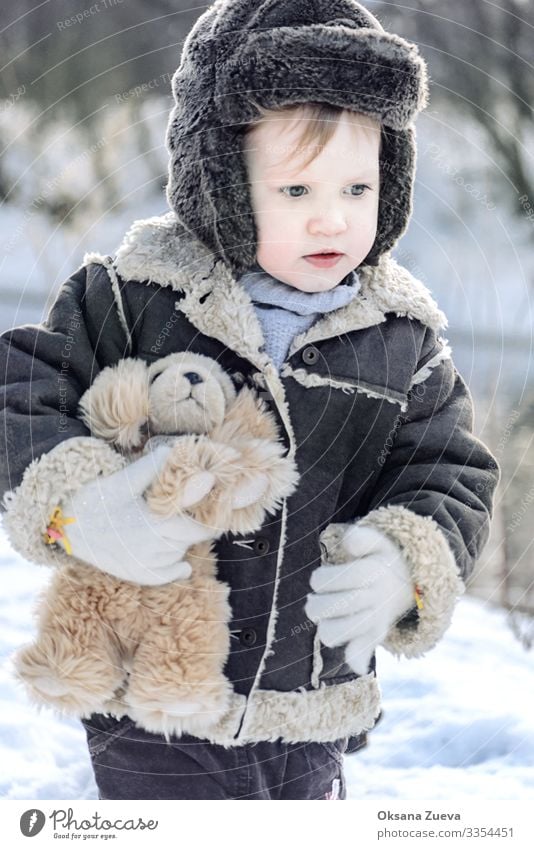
(292, 163)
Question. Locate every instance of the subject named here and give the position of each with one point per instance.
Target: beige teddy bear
(157, 653)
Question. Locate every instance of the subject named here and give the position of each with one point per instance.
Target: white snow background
(457, 723)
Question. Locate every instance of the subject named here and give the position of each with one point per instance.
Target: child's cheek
(272, 225)
(367, 225)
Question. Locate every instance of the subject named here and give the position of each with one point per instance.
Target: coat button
(248, 637)
(261, 545)
(310, 355)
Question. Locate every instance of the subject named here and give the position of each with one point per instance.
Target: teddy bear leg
(181, 705)
(176, 683)
(73, 665)
(75, 678)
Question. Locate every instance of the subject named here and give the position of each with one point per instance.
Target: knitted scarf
(284, 311)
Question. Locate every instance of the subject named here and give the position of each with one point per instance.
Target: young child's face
(331, 204)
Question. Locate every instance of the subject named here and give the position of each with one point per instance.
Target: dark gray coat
(368, 401)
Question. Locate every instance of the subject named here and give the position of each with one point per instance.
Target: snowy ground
(459, 723)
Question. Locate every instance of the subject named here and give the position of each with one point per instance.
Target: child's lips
(323, 260)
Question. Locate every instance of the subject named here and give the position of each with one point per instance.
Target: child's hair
(319, 126)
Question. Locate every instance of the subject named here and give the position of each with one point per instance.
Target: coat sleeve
(46, 452)
(434, 496)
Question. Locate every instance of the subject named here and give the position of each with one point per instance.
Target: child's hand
(358, 602)
(115, 530)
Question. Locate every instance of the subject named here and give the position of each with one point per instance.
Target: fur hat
(276, 52)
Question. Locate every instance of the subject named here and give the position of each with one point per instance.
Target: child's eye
(360, 187)
(288, 190)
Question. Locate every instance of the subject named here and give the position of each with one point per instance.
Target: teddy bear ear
(115, 407)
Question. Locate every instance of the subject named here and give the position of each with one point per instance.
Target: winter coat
(369, 403)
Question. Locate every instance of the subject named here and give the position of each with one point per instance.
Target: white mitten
(115, 530)
(358, 602)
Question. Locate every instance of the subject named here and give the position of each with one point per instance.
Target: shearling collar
(152, 251)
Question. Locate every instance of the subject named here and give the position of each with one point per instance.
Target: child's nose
(327, 223)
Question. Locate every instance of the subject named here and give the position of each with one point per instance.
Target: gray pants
(130, 763)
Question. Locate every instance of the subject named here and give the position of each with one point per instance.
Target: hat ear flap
(397, 166)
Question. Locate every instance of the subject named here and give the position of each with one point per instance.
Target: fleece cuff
(433, 570)
(46, 482)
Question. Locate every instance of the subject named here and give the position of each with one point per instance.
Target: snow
(457, 723)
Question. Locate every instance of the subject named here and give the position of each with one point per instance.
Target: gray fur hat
(275, 52)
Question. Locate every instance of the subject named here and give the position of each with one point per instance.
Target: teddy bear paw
(196, 488)
(178, 717)
(250, 491)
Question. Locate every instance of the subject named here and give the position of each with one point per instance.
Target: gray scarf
(284, 311)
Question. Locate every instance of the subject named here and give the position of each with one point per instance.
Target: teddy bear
(156, 653)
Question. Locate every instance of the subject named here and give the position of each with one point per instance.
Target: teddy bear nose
(193, 377)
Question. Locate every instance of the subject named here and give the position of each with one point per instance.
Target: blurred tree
(81, 54)
(481, 64)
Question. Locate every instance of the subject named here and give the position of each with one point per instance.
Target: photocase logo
(32, 822)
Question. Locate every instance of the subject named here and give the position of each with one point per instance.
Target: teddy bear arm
(196, 465)
(247, 417)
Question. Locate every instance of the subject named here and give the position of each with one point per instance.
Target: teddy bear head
(187, 393)
(132, 401)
